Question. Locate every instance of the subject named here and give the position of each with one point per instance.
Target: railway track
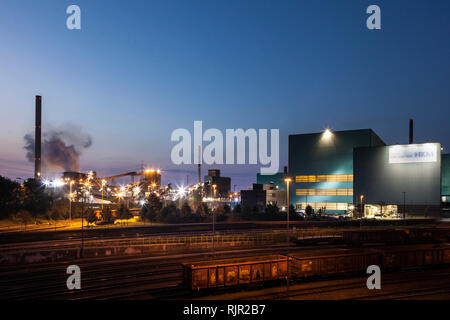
(114, 278)
(409, 284)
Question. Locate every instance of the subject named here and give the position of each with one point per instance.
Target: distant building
(275, 196)
(321, 168)
(223, 184)
(255, 197)
(152, 178)
(276, 179)
(355, 170)
(445, 188)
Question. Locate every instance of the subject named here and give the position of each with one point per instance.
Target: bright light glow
(58, 183)
(327, 134)
(287, 180)
(181, 192)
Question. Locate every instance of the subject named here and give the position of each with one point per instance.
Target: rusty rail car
(397, 236)
(233, 272)
(418, 256)
(350, 261)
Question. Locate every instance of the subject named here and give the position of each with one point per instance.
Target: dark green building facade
(321, 167)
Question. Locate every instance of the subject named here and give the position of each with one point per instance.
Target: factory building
(321, 168)
(222, 184)
(398, 179)
(254, 198)
(445, 188)
(354, 171)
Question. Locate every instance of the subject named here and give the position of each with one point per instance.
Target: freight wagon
(233, 272)
(417, 256)
(423, 235)
(358, 237)
(397, 236)
(351, 261)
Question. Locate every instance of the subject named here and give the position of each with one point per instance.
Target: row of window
(324, 192)
(325, 178)
(323, 205)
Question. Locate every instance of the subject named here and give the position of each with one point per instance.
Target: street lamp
(361, 211)
(361, 203)
(214, 188)
(287, 180)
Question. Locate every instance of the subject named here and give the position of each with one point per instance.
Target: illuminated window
(325, 178)
(323, 205)
(324, 192)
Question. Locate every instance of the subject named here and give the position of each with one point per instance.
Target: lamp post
(287, 180)
(361, 203)
(83, 200)
(404, 205)
(214, 229)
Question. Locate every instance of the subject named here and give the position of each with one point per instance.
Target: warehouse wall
(315, 154)
(382, 182)
(446, 174)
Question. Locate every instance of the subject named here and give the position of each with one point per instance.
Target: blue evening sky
(137, 70)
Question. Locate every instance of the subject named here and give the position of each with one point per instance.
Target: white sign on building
(413, 153)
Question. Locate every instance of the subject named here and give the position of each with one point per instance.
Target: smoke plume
(61, 148)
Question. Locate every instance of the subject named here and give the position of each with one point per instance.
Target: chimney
(37, 139)
(411, 131)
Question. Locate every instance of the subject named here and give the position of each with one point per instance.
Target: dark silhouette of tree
(10, 196)
(246, 212)
(107, 214)
(227, 208)
(203, 211)
(272, 212)
(151, 209)
(169, 214)
(221, 214)
(309, 210)
(91, 216)
(23, 217)
(36, 200)
(124, 213)
(186, 213)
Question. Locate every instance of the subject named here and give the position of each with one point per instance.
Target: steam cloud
(61, 148)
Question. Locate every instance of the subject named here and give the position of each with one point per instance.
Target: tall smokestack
(37, 139)
(411, 130)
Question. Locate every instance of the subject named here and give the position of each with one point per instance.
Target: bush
(23, 217)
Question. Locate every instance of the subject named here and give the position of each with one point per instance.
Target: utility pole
(287, 180)
(82, 224)
(404, 205)
(214, 230)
